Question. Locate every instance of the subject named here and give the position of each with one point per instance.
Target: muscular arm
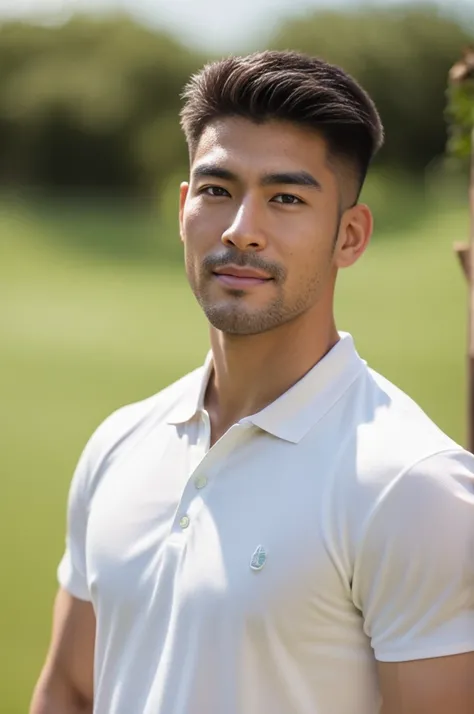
(443, 685)
(65, 685)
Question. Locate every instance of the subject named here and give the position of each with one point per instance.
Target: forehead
(273, 145)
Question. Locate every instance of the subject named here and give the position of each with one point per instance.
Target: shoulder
(127, 425)
(422, 519)
(395, 453)
(154, 409)
(394, 432)
(419, 469)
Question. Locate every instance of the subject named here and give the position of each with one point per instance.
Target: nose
(245, 232)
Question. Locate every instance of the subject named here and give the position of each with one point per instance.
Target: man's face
(259, 220)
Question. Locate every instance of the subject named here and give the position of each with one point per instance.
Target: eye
(287, 198)
(214, 191)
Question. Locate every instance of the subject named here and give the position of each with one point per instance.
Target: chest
(227, 532)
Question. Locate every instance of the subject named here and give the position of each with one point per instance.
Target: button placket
(201, 482)
(194, 495)
(184, 522)
(205, 465)
(191, 500)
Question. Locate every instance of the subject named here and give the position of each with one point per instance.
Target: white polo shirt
(268, 574)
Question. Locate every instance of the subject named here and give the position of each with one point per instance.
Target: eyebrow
(289, 178)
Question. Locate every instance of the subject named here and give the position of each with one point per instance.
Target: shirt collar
(294, 413)
(291, 416)
(192, 401)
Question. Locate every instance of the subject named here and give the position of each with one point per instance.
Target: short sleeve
(72, 570)
(414, 571)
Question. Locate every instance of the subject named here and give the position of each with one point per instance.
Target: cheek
(304, 245)
(190, 220)
(204, 223)
(309, 260)
(199, 233)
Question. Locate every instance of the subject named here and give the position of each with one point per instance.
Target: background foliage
(460, 107)
(91, 106)
(402, 56)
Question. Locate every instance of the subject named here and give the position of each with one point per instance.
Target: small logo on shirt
(259, 558)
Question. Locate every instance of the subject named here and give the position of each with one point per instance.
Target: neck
(252, 371)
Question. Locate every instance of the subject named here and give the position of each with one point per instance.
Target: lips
(237, 272)
(238, 278)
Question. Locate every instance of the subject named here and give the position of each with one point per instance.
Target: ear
(183, 194)
(354, 235)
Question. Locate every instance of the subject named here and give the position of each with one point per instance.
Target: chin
(241, 323)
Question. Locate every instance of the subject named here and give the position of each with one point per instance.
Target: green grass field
(83, 335)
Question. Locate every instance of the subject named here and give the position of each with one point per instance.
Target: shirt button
(200, 482)
(184, 522)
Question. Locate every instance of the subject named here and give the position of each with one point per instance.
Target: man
(282, 530)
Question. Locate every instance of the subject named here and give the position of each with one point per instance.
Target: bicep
(442, 685)
(70, 661)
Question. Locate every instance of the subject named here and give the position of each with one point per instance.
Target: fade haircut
(291, 87)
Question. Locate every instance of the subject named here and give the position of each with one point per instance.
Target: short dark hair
(287, 86)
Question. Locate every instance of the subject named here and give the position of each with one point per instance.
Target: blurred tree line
(92, 106)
